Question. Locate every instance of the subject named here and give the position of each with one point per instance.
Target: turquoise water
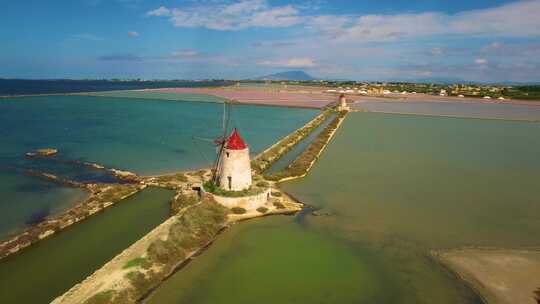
(140, 135)
(394, 187)
(52, 266)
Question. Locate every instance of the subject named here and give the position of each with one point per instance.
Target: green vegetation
(170, 180)
(181, 201)
(279, 205)
(140, 261)
(196, 227)
(262, 184)
(302, 163)
(209, 186)
(262, 209)
(266, 159)
(238, 210)
(101, 297)
(276, 194)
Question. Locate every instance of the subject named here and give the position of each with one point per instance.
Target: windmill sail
(220, 141)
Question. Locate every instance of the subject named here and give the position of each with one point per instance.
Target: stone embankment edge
(65, 219)
(318, 154)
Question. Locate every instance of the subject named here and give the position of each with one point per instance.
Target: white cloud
(290, 63)
(160, 11)
(518, 19)
(133, 34)
(481, 61)
(236, 16)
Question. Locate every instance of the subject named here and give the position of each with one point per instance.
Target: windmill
(220, 141)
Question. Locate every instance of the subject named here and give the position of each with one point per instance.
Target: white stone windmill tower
(233, 172)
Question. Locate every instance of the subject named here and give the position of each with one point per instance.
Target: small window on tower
(230, 182)
(227, 154)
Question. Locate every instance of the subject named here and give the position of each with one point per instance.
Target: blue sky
(485, 40)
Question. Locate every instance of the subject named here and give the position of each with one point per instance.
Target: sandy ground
(299, 97)
(501, 276)
(317, 97)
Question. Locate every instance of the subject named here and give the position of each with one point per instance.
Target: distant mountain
(290, 76)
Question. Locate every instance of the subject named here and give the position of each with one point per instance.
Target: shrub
(263, 184)
(213, 188)
(279, 205)
(238, 210)
(276, 194)
(262, 209)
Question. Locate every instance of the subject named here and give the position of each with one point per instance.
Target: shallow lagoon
(50, 267)
(396, 187)
(140, 135)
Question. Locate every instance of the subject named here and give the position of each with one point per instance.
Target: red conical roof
(235, 142)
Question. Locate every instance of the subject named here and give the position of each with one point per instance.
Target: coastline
(497, 275)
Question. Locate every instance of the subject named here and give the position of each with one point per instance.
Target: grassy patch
(192, 230)
(140, 261)
(181, 201)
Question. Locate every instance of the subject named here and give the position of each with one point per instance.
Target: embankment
(304, 162)
(269, 156)
(132, 275)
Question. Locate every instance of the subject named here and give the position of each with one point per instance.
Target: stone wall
(250, 202)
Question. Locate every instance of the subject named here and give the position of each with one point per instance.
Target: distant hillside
(290, 75)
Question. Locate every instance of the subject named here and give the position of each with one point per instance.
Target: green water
(51, 267)
(396, 186)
